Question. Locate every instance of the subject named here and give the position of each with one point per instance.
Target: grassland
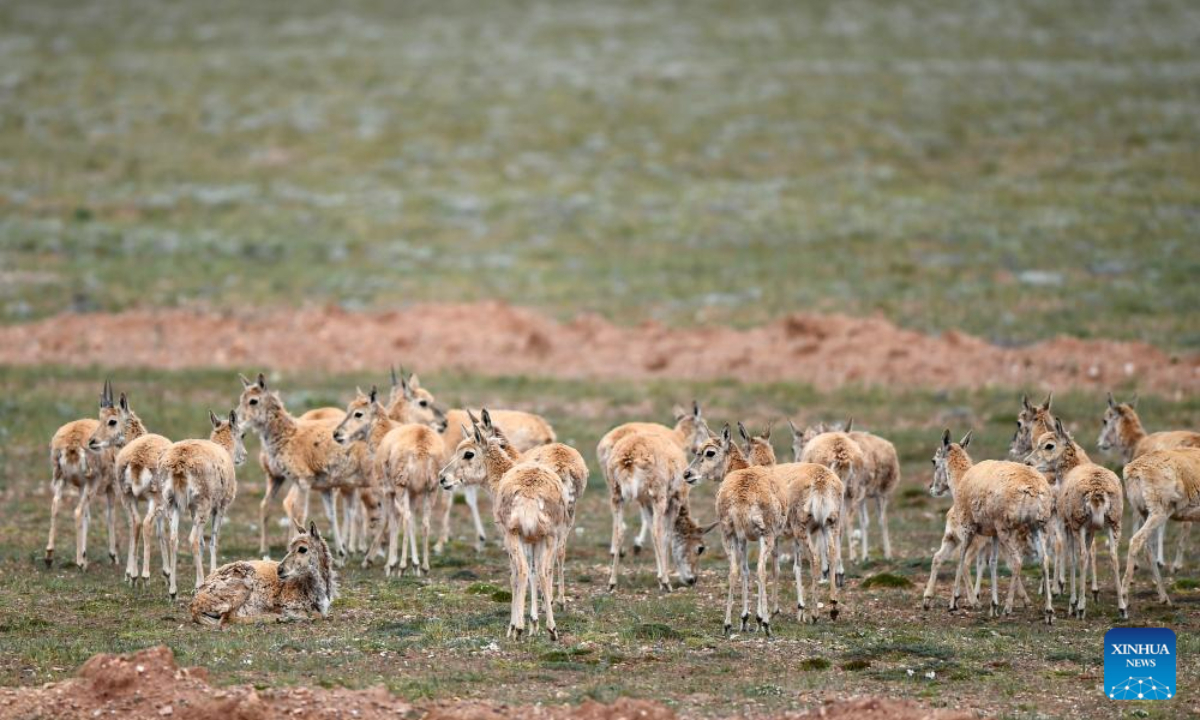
(1012, 170)
(442, 636)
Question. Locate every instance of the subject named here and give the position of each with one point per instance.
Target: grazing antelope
(199, 476)
(530, 508)
(523, 430)
(73, 462)
(275, 479)
(839, 452)
(1123, 431)
(751, 507)
(1160, 485)
(689, 432)
(1006, 500)
(301, 584)
(1089, 500)
(404, 459)
(648, 470)
(138, 452)
(569, 465)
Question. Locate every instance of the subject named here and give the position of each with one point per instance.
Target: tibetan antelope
(295, 588)
(275, 480)
(199, 476)
(138, 452)
(90, 471)
(1006, 500)
(1161, 485)
(530, 508)
(688, 433)
(1123, 431)
(839, 452)
(1089, 500)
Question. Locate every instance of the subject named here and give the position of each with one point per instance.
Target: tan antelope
(689, 432)
(275, 480)
(90, 471)
(530, 508)
(301, 451)
(404, 459)
(523, 429)
(138, 452)
(648, 470)
(571, 469)
(814, 496)
(751, 507)
(1006, 500)
(295, 588)
(1123, 431)
(839, 452)
(1161, 485)
(1089, 500)
(199, 476)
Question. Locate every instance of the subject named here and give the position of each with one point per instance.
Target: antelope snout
(690, 477)
(691, 581)
(93, 445)
(445, 482)
(339, 437)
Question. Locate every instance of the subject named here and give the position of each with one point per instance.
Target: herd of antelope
(386, 461)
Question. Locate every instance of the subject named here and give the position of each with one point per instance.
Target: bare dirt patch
(498, 339)
(149, 684)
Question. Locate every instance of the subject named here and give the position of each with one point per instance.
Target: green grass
(443, 636)
(952, 165)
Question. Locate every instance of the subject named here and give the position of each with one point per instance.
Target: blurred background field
(1014, 170)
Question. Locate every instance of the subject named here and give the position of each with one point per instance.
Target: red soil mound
(497, 339)
(149, 685)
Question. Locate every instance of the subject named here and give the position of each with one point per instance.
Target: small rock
(166, 710)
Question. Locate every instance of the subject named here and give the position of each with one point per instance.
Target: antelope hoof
(766, 626)
(173, 596)
(1082, 613)
(612, 585)
(926, 602)
(994, 610)
(553, 633)
(841, 580)
(746, 622)
(664, 585)
(728, 629)
(637, 550)
(1049, 617)
(1095, 596)
(1124, 613)
(82, 565)
(834, 611)
(112, 557)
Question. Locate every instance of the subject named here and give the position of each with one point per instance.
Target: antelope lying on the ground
(91, 472)
(689, 432)
(839, 452)
(523, 429)
(751, 507)
(294, 588)
(1123, 432)
(199, 476)
(404, 459)
(138, 454)
(1005, 500)
(1161, 485)
(1089, 500)
(648, 470)
(530, 507)
(569, 465)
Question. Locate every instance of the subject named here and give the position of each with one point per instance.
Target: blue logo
(1139, 664)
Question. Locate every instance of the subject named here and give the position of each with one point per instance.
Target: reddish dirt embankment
(497, 339)
(148, 685)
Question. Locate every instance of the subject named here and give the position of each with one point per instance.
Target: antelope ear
(246, 382)
(212, 418)
(374, 394)
(312, 530)
(849, 425)
(1025, 402)
(478, 435)
(1049, 400)
(299, 527)
(124, 403)
(946, 438)
(1133, 401)
(966, 440)
(233, 418)
(767, 433)
(1111, 402)
(695, 409)
(726, 438)
(414, 382)
(466, 432)
(705, 530)
(794, 429)
(742, 430)
(487, 418)
(262, 381)
(1059, 430)
(395, 380)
